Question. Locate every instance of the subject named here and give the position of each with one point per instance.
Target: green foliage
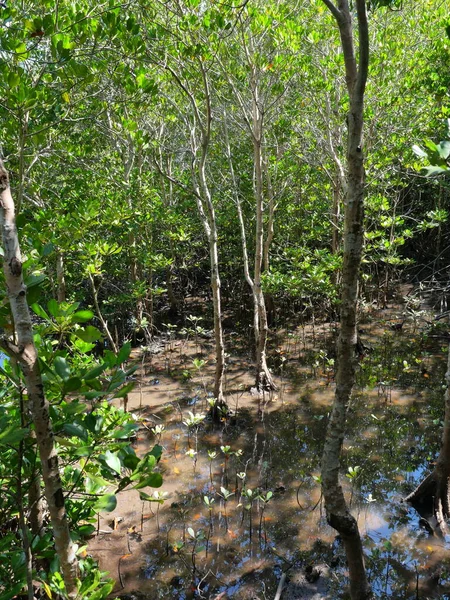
(93, 443)
(436, 154)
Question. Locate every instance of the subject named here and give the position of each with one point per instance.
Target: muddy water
(242, 505)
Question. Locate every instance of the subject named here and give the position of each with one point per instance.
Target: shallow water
(233, 521)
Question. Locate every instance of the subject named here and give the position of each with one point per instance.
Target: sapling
(193, 422)
(196, 537)
(209, 502)
(211, 456)
(170, 333)
(159, 498)
(196, 329)
(352, 474)
(247, 502)
(198, 364)
(192, 454)
(239, 477)
(157, 431)
(264, 498)
(227, 453)
(225, 495)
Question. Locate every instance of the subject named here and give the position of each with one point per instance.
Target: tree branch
(11, 349)
(363, 30)
(333, 9)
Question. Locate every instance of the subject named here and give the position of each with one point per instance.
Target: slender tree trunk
(263, 376)
(246, 263)
(104, 323)
(268, 297)
(218, 334)
(25, 353)
(210, 227)
(338, 514)
(168, 203)
(200, 137)
(20, 496)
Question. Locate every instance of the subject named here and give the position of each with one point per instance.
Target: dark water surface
(242, 505)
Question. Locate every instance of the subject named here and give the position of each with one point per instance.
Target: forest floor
(241, 514)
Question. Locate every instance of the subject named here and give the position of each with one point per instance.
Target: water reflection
(247, 506)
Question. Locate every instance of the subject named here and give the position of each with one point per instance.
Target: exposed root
(431, 500)
(264, 381)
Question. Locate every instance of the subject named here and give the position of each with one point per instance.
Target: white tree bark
(24, 351)
(200, 138)
(338, 514)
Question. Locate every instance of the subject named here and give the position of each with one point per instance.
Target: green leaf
(12, 435)
(444, 149)
(94, 395)
(133, 369)
(61, 367)
(154, 480)
(124, 353)
(86, 531)
(102, 592)
(106, 503)
(419, 152)
(95, 372)
(33, 294)
(13, 79)
(89, 334)
(82, 316)
(146, 465)
(125, 390)
(431, 145)
(72, 384)
(40, 312)
(73, 408)
(47, 249)
(156, 451)
(82, 451)
(433, 170)
(123, 484)
(131, 461)
(94, 423)
(14, 591)
(76, 430)
(22, 50)
(34, 279)
(94, 384)
(53, 308)
(125, 432)
(148, 498)
(94, 481)
(113, 461)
